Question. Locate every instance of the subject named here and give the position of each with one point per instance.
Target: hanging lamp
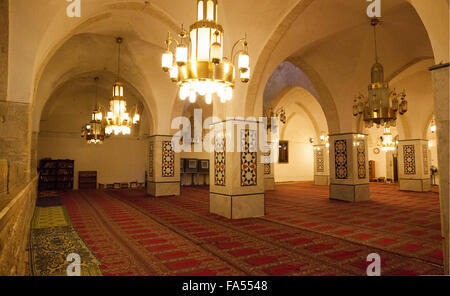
(94, 131)
(197, 64)
(381, 106)
(119, 121)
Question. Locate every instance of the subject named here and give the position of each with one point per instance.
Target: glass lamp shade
(118, 89)
(174, 75)
(244, 62)
(182, 55)
(355, 109)
(403, 108)
(228, 93)
(136, 118)
(433, 127)
(97, 115)
(245, 76)
(167, 61)
(184, 92)
(388, 143)
(208, 98)
(216, 53)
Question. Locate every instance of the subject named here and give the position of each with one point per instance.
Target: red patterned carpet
(304, 233)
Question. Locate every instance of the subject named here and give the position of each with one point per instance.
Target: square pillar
(236, 177)
(414, 165)
(163, 167)
(349, 167)
(269, 168)
(441, 89)
(321, 165)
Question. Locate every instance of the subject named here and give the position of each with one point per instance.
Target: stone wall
(4, 38)
(14, 142)
(15, 221)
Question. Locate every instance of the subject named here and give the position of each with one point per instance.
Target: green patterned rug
(49, 248)
(50, 217)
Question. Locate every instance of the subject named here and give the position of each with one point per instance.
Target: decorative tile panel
(361, 158)
(168, 159)
(219, 161)
(249, 158)
(150, 159)
(320, 161)
(267, 161)
(426, 168)
(341, 159)
(409, 159)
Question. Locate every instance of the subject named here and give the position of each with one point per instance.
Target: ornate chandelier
(381, 106)
(388, 140)
(118, 119)
(199, 67)
(94, 131)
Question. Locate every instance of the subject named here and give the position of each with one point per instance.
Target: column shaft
(349, 167)
(163, 175)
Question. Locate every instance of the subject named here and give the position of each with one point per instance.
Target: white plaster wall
(117, 160)
(298, 131)
(381, 158)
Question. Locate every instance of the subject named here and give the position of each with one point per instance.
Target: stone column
(236, 177)
(4, 46)
(163, 175)
(321, 165)
(269, 167)
(349, 167)
(414, 166)
(14, 143)
(440, 78)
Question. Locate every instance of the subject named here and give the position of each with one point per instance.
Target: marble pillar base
(422, 185)
(269, 184)
(237, 206)
(163, 189)
(322, 180)
(350, 193)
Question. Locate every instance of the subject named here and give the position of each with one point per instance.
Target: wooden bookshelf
(56, 174)
(87, 180)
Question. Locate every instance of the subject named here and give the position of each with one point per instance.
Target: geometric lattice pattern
(320, 161)
(341, 160)
(425, 160)
(219, 161)
(267, 161)
(150, 160)
(361, 157)
(168, 159)
(249, 158)
(409, 159)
